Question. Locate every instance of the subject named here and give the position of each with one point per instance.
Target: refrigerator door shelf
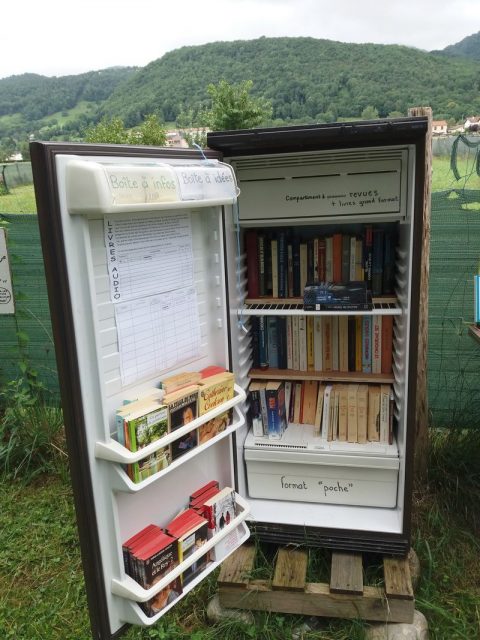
(222, 544)
(113, 451)
(122, 482)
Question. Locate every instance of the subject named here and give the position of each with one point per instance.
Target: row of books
(181, 399)
(280, 262)
(323, 343)
(356, 413)
(154, 551)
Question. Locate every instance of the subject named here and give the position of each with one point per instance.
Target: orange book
(309, 401)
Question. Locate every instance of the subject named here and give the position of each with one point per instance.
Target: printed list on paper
(150, 267)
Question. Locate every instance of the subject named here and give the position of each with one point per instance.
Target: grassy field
(22, 199)
(42, 595)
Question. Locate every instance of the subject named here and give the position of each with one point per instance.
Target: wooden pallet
(344, 597)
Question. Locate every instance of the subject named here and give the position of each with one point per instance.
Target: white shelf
(290, 307)
(113, 451)
(130, 590)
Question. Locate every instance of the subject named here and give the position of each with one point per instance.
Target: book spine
(327, 343)
(317, 343)
(367, 255)
(337, 257)
(290, 342)
(377, 261)
(264, 409)
(282, 342)
(262, 284)
(274, 266)
(376, 343)
(251, 246)
(321, 260)
(256, 413)
(335, 351)
(296, 343)
(302, 341)
(351, 343)
(343, 345)
(262, 343)
(345, 258)
(352, 423)
(255, 329)
(276, 411)
(272, 344)
(329, 259)
(326, 411)
(303, 266)
(297, 291)
(310, 344)
(290, 270)
(282, 264)
(387, 344)
(367, 344)
(388, 277)
(358, 343)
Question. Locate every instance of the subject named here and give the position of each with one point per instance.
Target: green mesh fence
(26, 337)
(453, 356)
(17, 173)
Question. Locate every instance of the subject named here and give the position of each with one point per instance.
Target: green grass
(19, 200)
(42, 594)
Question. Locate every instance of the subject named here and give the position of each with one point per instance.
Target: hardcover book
(144, 423)
(182, 409)
(154, 561)
(214, 391)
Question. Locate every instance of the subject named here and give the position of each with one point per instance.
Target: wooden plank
(290, 569)
(317, 600)
(346, 573)
(236, 568)
(398, 582)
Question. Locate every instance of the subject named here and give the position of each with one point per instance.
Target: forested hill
(34, 96)
(304, 78)
(469, 47)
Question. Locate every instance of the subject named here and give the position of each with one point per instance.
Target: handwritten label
(7, 305)
(206, 183)
(325, 195)
(138, 185)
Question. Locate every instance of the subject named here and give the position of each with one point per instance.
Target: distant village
(441, 128)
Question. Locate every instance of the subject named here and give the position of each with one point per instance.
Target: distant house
(175, 139)
(15, 157)
(472, 123)
(439, 127)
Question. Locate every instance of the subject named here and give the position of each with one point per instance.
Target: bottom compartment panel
(322, 478)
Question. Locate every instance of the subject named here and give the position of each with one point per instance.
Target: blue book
(367, 344)
(282, 259)
(272, 341)
(276, 409)
(297, 292)
(262, 343)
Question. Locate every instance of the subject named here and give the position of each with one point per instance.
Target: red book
(322, 260)
(387, 343)
(212, 370)
(207, 487)
(337, 257)
(252, 264)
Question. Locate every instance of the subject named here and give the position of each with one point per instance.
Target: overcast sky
(61, 37)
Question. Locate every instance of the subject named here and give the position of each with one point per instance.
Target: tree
(150, 132)
(234, 108)
(370, 113)
(113, 131)
(110, 131)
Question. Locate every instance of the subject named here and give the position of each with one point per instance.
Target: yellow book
(362, 413)
(373, 420)
(352, 422)
(342, 412)
(309, 401)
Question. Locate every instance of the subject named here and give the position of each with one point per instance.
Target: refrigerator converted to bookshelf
(149, 275)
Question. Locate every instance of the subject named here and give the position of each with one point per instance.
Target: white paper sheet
(148, 253)
(157, 333)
